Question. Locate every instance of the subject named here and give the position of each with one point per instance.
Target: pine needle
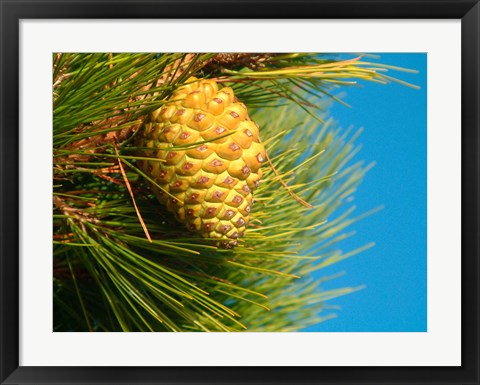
(282, 182)
(127, 183)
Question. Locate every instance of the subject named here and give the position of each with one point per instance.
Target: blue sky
(394, 271)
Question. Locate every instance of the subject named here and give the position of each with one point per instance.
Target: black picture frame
(13, 11)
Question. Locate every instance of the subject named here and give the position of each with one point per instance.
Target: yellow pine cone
(206, 156)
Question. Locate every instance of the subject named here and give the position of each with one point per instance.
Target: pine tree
(124, 262)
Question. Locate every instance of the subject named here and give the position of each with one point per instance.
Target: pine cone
(206, 156)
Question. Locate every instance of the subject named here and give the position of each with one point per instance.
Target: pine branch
(108, 276)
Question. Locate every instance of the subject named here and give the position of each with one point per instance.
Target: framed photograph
(234, 192)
